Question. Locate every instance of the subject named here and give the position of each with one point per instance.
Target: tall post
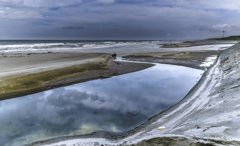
(223, 33)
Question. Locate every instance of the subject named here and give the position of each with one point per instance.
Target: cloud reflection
(115, 104)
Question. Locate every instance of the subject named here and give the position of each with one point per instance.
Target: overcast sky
(118, 19)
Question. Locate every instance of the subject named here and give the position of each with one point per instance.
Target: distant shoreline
(229, 38)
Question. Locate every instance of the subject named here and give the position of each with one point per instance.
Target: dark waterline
(115, 104)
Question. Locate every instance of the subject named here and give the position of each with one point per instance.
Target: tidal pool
(115, 104)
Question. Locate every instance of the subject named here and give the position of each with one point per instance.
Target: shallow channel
(115, 104)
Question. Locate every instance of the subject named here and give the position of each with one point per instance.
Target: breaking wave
(10, 47)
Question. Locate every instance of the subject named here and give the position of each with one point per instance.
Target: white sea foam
(119, 47)
(23, 47)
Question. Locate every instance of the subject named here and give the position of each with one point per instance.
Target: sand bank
(198, 43)
(192, 55)
(31, 73)
(184, 58)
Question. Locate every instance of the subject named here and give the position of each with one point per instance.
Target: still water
(115, 104)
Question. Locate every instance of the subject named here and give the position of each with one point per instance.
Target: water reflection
(115, 104)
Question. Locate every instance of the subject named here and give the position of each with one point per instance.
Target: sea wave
(22, 47)
(18, 47)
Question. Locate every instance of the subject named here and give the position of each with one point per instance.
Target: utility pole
(223, 33)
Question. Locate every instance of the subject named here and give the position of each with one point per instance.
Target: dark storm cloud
(117, 19)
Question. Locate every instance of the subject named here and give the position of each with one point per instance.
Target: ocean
(33, 46)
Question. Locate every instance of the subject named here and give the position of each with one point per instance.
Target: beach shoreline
(53, 70)
(203, 117)
(24, 74)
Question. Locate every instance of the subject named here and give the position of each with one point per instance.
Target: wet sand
(31, 73)
(191, 59)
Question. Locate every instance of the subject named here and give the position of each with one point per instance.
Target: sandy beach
(191, 59)
(27, 73)
(23, 74)
(31, 73)
(203, 117)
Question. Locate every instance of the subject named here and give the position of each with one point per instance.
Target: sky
(118, 19)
